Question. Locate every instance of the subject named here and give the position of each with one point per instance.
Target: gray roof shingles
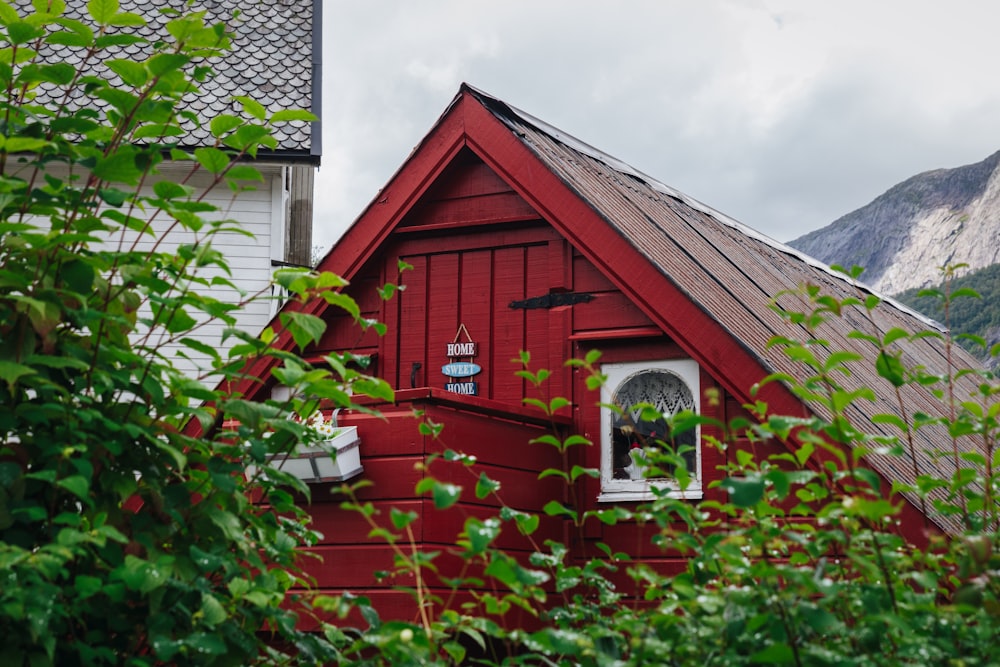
(271, 61)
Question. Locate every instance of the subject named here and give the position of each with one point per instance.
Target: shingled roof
(734, 274)
(275, 60)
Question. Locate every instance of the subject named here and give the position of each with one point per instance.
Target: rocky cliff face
(941, 217)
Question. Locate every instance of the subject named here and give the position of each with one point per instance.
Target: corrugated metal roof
(274, 60)
(734, 274)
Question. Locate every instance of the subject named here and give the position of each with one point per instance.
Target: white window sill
(691, 493)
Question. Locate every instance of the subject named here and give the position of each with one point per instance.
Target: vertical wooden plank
(536, 326)
(508, 323)
(410, 330)
(560, 319)
(442, 313)
(475, 310)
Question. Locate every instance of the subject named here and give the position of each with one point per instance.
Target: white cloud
(782, 113)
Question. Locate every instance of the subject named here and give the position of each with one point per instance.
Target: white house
(274, 60)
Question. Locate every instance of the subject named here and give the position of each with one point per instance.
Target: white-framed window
(671, 386)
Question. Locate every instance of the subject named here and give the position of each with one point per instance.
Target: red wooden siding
(468, 192)
(393, 455)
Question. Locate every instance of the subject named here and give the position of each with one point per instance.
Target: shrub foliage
(127, 531)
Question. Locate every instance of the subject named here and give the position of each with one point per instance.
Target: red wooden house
(521, 237)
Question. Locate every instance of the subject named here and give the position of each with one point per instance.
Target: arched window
(645, 394)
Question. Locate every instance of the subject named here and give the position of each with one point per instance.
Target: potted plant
(333, 456)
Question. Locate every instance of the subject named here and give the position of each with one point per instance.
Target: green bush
(760, 586)
(127, 531)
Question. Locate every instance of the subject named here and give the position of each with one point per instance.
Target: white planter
(333, 460)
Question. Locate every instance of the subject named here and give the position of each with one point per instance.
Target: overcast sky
(783, 114)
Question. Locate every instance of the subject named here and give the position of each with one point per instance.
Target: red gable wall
(475, 246)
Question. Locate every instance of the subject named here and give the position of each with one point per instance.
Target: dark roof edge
(316, 129)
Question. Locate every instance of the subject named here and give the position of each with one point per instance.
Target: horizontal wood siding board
(608, 310)
(588, 278)
(394, 431)
(486, 209)
(500, 442)
(466, 177)
(349, 567)
(392, 478)
(519, 488)
(340, 526)
(479, 238)
(443, 527)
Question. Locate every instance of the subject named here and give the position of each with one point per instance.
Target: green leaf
(890, 367)
(212, 611)
(22, 32)
(556, 508)
(76, 33)
(894, 334)
(775, 654)
(102, 11)
(178, 320)
(23, 144)
(305, 328)
(481, 533)
(744, 491)
(206, 644)
(485, 486)
(171, 190)
(60, 74)
(107, 41)
(223, 124)
(252, 107)
(213, 160)
(445, 495)
(527, 523)
(286, 115)
(127, 19)
(11, 372)
(401, 520)
(87, 586)
(244, 172)
(119, 167)
(132, 73)
(779, 478)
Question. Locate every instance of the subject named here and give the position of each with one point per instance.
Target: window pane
(668, 394)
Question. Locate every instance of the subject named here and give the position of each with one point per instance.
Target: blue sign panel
(461, 369)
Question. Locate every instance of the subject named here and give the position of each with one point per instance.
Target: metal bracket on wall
(552, 300)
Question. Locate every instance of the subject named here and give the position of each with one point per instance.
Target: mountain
(937, 218)
(979, 316)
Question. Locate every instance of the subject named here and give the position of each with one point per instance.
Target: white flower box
(336, 459)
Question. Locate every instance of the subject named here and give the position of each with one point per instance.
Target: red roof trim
(693, 329)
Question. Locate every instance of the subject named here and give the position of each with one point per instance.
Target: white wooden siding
(262, 212)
